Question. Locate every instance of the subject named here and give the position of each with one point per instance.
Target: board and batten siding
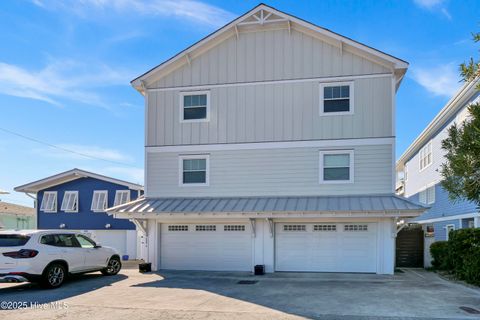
(271, 112)
(268, 55)
(271, 172)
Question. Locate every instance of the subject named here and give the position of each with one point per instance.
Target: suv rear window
(13, 240)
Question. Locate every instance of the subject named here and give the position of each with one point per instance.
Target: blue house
(419, 169)
(78, 199)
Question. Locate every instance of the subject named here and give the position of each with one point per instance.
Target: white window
(70, 201)
(336, 98)
(99, 201)
(206, 228)
(234, 228)
(427, 196)
(426, 156)
(194, 170)
(194, 106)
(336, 166)
(325, 227)
(294, 227)
(49, 201)
(448, 228)
(178, 228)
(355, 227)
(121, 197)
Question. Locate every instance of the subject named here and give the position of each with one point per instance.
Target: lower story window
(324, 227)
(194, 170)
(355, 227)
(294, 227)
(177, 228)
(336, 166)
(234, 228)
(205, 228)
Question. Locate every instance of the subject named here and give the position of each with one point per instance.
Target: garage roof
(387, 203)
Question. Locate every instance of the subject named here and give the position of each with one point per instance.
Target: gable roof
(272, 15)
(70, 175)
(15, 209)
(456, 103)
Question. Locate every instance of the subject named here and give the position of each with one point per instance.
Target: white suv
(48, 256)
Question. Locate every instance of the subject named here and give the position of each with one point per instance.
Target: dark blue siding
(444, 207)
(85, 219)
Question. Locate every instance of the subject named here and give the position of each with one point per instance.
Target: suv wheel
(113, 267)
(54, 276)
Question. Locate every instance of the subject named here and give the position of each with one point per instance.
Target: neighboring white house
(271, 142)
(420, 166)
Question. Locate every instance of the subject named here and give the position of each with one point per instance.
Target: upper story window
(99, 201)
(426, 157)
(194, 106)
(49, 201)
(70, 201)
(427, 196)
(194, 170)
(336, 166)
(336, 98)
(121, 197)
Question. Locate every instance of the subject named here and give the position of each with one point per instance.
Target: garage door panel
(217, 247)
(332, 247)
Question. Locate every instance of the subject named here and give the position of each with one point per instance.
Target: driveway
(414, 294)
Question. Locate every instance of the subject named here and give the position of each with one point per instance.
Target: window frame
(429, 199)
(423, 154)
(182, 94)
(93, 198)
(447, 226)
(117, 192)
(76, 200)
(205, 157)
(55, 202)
(351, 96)
(321, 179)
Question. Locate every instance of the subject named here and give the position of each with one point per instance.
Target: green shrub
(440, 254)
(459, 255)
(464, 247)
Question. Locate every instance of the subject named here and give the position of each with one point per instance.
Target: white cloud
(192, 10)
(434, 5)
(61, 80)
(442, 80)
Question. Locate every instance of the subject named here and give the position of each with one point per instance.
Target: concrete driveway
(414, 294)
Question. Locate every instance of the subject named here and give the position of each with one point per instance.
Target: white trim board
(253, 83)
(456, 217)
(274, 145)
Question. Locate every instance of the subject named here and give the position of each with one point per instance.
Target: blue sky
(65, 69)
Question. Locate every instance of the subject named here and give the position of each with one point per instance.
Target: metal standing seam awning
(363, 205)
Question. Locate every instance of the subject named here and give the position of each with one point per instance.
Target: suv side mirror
(97, 246)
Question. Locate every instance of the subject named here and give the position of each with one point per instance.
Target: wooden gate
(409, 252)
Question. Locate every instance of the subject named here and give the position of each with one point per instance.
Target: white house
(420, 168)
(271, 142)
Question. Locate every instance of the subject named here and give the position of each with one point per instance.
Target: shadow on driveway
(353, 296)
(75, 285)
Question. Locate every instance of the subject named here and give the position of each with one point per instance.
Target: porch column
(476, 222)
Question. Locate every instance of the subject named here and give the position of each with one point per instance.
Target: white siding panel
(293, 171)
(419, 180)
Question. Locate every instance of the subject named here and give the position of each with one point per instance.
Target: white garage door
(326, 247)
(218, 247)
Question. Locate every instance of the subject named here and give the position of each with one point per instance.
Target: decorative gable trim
(264, 16)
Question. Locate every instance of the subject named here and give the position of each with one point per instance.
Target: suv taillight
(21, 254)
